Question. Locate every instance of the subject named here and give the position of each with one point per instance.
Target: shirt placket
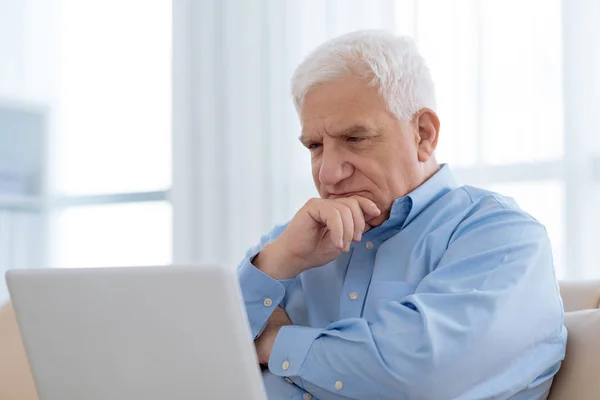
(358, 276)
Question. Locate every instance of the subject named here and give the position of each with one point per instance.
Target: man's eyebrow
(350, 131)
(304, 140)
(355, 130)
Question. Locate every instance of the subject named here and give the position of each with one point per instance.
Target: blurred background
(146, 132)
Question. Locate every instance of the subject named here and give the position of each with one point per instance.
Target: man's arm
(488, 315)
(319, 232)
(264, 343)
(261, 292)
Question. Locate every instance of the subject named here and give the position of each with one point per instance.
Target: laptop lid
(136, 333)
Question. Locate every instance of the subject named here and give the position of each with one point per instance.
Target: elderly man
(397, 283)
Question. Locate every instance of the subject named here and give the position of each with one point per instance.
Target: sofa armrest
(16, 381)
(580, 295)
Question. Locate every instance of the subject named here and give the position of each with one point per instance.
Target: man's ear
(428, 125)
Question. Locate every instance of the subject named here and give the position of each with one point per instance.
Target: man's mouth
(342, 194)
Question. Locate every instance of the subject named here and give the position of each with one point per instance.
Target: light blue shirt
(453, 297)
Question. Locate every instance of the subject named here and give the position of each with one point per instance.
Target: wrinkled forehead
(338, 120)
(332, 112)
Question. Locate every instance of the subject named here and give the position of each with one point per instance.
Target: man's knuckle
(348, 212)
(312, 201)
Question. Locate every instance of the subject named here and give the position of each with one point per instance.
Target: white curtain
(517, 84)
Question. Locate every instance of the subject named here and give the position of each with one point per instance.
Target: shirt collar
(405, 209)
(430, 191)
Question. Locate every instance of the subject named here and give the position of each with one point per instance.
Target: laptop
(144, 333)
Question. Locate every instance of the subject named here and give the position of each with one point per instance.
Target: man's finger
(333, 220)
(347, 222)
(368, 207)
(357, 216)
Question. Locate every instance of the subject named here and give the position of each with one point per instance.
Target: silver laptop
(136, 333)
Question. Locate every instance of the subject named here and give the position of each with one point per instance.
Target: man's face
(358, 147)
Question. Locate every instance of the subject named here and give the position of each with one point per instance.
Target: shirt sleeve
(261, 292)
(487, 316)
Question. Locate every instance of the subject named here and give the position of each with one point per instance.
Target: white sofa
(578, 378)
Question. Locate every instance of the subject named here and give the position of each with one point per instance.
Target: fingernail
(358, 236)
(347, 247)
(341, 243)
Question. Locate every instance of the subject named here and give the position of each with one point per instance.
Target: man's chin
(380, 219)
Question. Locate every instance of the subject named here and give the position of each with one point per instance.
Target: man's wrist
(273, 262)
(264, 345)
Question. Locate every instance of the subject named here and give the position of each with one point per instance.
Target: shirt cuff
(287, 282)
(291, 348)
(261, 293)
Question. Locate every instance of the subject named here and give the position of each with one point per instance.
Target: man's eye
(313, 146)
(354, 139)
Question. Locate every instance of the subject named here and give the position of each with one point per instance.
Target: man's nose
(334, 167)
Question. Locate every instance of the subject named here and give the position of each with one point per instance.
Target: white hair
(389, 62)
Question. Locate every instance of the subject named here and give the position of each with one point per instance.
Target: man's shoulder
(488, 208)
(470, 200)
(468, 209)
(483, 200)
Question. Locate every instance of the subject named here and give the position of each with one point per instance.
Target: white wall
(581, 47)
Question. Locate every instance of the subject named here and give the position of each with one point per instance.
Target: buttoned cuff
(291, 348)
(261, 293)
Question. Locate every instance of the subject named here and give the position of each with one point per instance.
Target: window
(500, 98)
(113, 235)
(112, 143)
(114, 97)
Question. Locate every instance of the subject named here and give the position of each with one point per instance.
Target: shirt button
(369, 245)
(306, 396)
(285, 366)
(353, 296)
(268, 302)
(339, 385)
(288, 380)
